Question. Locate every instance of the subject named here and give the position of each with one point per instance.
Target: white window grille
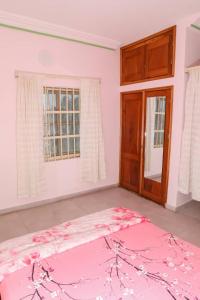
(159, 124)
(61, 123)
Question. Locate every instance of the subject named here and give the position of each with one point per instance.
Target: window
(61, 123)
(159, 124)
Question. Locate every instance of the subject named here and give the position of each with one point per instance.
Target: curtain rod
(192, 68)
(47, 75)
(195, 26)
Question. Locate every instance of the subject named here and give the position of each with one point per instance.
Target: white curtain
(29, 136)
(91, 136)
(189, 177)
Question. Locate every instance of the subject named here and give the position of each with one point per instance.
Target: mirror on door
(154, 137)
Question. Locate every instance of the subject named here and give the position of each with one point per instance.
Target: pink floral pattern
(28, 249)
(140, 262)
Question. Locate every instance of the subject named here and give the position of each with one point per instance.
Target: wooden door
(154, 185)
(159, 58)
(131, 124)
(132, 64)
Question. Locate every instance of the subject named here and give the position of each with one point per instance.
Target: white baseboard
(53, 200)
(170, 207)
(176, 208)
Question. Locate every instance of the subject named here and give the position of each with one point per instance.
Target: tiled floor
(185, 223)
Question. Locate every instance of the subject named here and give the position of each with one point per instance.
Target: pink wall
(186, 53)
(192, 53)
(25, 51)
(191, 39)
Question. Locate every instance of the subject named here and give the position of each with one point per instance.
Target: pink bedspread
(137, 261)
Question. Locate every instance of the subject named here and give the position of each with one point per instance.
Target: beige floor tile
(191, 209)
(38, 218)
(66, 210)
(11, 226)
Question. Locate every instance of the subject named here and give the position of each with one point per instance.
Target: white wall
(29, 52)
(156, 162)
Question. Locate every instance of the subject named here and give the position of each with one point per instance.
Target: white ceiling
(120, 20)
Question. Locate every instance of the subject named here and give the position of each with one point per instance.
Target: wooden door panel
(152, 188)
(131, 140)
(130, 174)
(131, 124)
(133, 64)
(158, 58)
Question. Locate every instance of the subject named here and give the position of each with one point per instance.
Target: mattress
(114, 254)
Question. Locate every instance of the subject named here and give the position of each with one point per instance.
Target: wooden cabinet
(149, 59)
(133, 63)
(145, 142)
(159, 56)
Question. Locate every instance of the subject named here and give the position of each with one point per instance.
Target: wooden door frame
(144, 92)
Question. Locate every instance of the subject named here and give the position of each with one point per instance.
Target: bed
(114, 254)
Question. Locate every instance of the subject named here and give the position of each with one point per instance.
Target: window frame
(47, 111)
(158, 129)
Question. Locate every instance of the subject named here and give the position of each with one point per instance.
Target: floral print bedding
(115, 254)
(19, 252)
